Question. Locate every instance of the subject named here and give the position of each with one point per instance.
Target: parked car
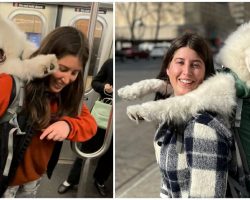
(119, 55)
(158, 52)
(135, 53)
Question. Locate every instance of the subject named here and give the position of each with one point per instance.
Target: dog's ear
(29, 48)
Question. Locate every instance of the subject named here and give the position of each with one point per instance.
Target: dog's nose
(2, 56)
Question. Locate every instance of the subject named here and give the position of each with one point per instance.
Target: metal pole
(85, 176)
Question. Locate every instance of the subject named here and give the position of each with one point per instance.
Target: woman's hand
(57, 131)
(108, 88)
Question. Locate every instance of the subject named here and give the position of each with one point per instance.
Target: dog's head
(235, 54)
(13, 42)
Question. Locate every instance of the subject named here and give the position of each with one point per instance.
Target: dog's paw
(156, 111)
(133, 113)
(148, 112)
(127, 93)
(142, 88)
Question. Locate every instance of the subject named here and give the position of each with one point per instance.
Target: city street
(137, 174)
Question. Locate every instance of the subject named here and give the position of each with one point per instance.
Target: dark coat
(104, 76)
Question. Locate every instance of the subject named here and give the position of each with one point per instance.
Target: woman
(51, 106)
(194, 157)
(103, 84)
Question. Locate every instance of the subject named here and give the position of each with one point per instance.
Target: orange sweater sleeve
(83, 127)
(5, 92)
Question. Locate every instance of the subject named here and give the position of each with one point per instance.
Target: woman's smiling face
(186, 71)
(69, 67)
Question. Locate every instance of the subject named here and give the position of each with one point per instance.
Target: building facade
(163, 21)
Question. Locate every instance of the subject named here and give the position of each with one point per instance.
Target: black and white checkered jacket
(199, 166)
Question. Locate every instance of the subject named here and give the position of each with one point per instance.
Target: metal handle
(105, 145)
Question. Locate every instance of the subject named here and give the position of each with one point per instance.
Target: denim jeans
(27, 190)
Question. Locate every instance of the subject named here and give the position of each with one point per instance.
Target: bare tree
(137, 15)
(133, 15)
(163, 13)
(158, 19)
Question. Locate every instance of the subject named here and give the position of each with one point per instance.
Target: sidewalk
(145, 184)
(137, 174)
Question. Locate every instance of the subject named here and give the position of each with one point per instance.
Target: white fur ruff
(18, 50)
(214, 94)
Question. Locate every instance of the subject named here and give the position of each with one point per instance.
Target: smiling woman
(51, 108)
(184, 149)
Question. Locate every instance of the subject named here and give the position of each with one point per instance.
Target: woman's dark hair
(62, 41)
(195, 42)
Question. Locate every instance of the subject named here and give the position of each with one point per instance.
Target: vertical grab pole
(90, 36)
(84, 177)
(82, 189)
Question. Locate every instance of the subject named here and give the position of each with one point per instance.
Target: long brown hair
(62, 41)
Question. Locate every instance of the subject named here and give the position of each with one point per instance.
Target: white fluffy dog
(236, 53)
(15, 51)
(217, 93)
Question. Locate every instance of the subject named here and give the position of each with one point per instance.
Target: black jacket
(104, 76)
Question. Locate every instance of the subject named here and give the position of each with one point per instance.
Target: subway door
(35, 19)
(79, 17)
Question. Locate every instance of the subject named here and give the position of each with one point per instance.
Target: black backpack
(239, 183)
(15, 135)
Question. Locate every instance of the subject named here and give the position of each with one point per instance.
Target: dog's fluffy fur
(235, 54)
(18, 49)
(217, 94)
(220, 98)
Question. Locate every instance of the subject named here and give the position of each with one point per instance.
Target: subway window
(82, 24)
(32, 25)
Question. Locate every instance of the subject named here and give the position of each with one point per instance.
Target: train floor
(48, 188)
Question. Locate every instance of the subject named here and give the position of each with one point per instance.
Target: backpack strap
(233, 184)
(242, 154)
(13, 91)
(10, 117)
(237, 117)
(236, 127)
(238, 186)
(16, 100)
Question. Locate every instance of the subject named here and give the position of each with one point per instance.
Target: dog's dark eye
(2, 56)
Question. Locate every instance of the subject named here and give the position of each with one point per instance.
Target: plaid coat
(199, 166)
